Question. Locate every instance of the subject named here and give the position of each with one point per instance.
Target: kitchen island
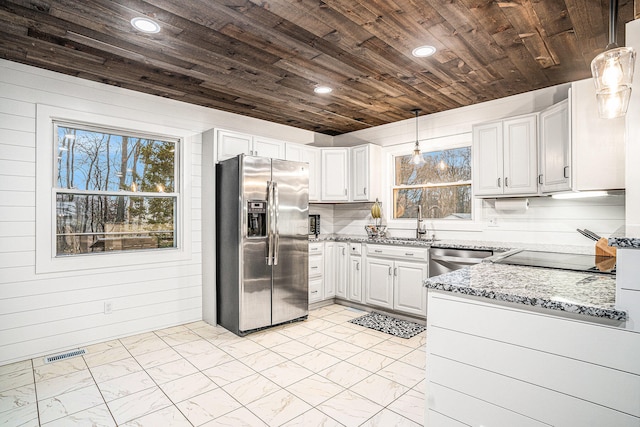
(511, 345)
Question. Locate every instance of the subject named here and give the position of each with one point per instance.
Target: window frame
(426, 145)
(47, 260)
(174, 195)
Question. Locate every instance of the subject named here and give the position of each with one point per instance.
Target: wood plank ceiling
(263, 58)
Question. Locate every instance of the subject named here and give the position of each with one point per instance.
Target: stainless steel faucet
(419, 231)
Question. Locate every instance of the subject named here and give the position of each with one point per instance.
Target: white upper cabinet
(365, 164)
(555, 149)
(578, 150)
(521, 155)
(230, 144)
(310, 155)
(487, 159)
(505, 160)
(335, 174)
(598, 145)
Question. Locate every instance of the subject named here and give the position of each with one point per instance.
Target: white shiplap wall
(547, 221)
(45, 313)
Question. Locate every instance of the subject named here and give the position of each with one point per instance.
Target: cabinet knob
(365, 191)
(565, 172)
(357, 266)
(389, 271)
(395, 272)
(540, 179)
(506, 181)
(408, 254)
(499, 183)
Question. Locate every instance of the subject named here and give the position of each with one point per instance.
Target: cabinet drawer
(355, 248)
(316, 265)
(315, 290)
(404, 252)
(315, 248)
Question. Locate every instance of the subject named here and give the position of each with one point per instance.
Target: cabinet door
(342, 275)
(487, 159)
(555, 149)
(230, 144)
(329, 270)
(335, 174)
(265, 147)
(310, 155)
(360, 173)
(409, 294)
(355, 279)
(379, 282)
(520, 155)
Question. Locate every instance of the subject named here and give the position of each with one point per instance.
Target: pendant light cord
(416, 111)
(613, 24)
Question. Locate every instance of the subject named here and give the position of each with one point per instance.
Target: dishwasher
(442, 260)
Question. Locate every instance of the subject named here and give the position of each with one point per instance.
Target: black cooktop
(562, 261)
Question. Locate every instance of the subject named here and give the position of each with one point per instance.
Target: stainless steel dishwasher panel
(446, 260)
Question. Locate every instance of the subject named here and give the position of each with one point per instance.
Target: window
(114, 190)
(441, 185)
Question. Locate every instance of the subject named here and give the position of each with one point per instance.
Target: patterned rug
(389, 325)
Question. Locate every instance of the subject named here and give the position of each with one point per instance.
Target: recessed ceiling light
(423, 51)
(322, 89)
(145, 25)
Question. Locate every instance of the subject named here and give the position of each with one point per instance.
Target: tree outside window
(441, 185)
(114, 191)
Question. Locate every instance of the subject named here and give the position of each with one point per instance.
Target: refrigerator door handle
(270, 215)
(276, 213)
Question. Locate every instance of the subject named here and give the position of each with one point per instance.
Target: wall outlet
(493, 222)
(108, 307)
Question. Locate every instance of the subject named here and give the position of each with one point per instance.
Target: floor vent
(65, 355)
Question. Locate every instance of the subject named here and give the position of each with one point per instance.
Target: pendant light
(612, 72)
(417, 158)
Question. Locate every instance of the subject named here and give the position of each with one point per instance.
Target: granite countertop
(457, 244)
(568, 291)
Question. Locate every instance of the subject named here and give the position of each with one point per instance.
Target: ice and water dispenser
(257, 218)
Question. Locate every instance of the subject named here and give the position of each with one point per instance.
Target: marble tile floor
(320, 372)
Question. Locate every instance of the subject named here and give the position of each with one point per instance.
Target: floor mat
(389, 325)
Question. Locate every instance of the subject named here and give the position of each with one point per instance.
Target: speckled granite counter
(458, 244)
(625, 242)
(567, 291)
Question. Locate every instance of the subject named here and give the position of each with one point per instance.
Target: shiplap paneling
(579, 371)
(45, 313)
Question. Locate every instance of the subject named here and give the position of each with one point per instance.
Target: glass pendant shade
(417, 156)
(612, 72)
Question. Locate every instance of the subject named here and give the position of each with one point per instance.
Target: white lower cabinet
(341, 273)
(354, 292)
(394, 278)
(409, 294)
(316, 272)
(329, 270)
(379, 282)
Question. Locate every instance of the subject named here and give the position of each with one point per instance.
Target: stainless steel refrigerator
(262, 243)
